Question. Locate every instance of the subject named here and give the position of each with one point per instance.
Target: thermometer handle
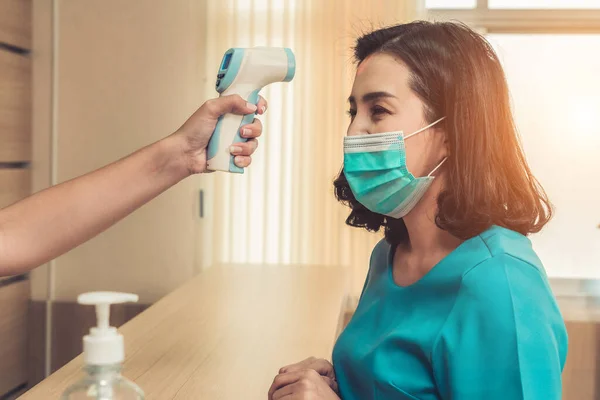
(226, 134)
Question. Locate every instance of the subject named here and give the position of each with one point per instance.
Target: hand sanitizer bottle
(103, 353)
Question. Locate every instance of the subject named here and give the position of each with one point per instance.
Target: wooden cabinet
(14, 297)
(14, 185)
(15, 106)
(15, 23)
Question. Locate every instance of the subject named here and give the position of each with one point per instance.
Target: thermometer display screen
(226, 61)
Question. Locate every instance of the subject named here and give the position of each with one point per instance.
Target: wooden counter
(225, 334)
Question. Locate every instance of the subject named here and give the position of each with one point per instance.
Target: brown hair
(457, 74)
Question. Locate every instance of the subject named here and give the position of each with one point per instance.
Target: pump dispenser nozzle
(104, 345)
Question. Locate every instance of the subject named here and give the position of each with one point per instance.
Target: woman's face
(382, 101)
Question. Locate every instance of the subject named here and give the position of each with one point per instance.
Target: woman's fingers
(297, 366)
(322, 366)
(303, 384)
(332, 383)
(286, 391)
(281, 381)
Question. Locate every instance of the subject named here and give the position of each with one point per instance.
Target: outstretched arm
(54, 221)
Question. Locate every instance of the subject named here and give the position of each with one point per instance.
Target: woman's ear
(443, 140)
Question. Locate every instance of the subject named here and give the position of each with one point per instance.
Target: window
(521, 16)
(549, 52)
(544, 4)
(556, 98)
(451, 4)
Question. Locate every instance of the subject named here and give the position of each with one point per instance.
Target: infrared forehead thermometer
(244, 71)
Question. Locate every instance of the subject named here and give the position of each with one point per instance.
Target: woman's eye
(351, 113)
(378, 111)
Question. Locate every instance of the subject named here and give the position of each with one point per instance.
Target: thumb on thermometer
(228, 104)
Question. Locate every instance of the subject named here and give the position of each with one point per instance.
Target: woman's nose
(357, 128)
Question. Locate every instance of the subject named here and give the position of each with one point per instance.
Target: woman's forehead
(381, 72)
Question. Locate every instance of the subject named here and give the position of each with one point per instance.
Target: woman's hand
(322, 366)
(305, 384)
(195, 133)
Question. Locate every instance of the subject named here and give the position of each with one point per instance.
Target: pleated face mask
(375, 167)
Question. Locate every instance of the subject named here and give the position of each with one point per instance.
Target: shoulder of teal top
(504, 337)
(501, 240)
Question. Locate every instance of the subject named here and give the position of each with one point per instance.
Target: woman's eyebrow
(371, 96)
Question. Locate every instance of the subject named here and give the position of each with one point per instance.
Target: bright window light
(545, 4)
(451, 4)
(555, 92)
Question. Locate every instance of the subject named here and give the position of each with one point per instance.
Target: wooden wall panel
(15, 23)
(15, 146)
(15, 107)
(14, 298)
(581, 369)
(14, 185)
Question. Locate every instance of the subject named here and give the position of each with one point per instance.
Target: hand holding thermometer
(244, 71)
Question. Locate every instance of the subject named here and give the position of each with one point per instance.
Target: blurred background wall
(83, 83)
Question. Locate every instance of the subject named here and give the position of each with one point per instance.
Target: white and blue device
(244, 71)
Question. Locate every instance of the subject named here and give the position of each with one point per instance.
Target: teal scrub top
(482, 324)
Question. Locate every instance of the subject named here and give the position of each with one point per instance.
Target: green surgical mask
(375, 167)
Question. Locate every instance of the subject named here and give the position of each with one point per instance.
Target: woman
(456, 304)
(53, 221)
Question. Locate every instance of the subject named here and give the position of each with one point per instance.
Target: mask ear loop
(438, 166)
(421, 130)
(424, 128)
